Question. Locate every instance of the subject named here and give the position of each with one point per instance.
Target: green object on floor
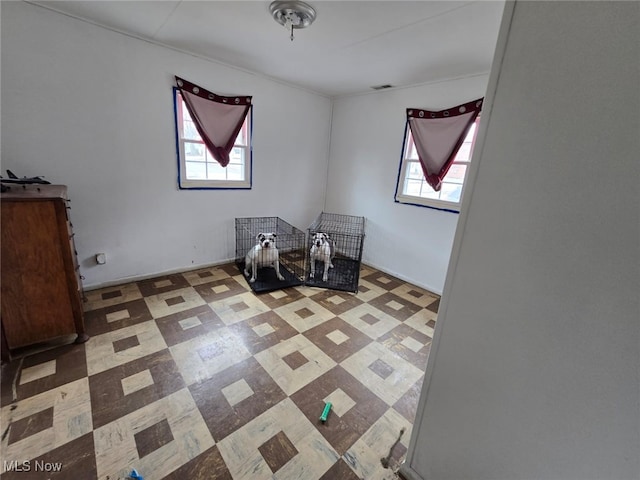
(325, 412)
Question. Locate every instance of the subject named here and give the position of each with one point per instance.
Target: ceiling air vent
(381, 87)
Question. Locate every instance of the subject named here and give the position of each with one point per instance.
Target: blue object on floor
(135, 475)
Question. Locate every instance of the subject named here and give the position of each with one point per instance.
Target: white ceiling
(352, 45)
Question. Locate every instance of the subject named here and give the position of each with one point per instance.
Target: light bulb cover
(292, 14)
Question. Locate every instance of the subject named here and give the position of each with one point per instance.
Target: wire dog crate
(290, 244)
(346, 236)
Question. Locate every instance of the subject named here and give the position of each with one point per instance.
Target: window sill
(429, 203)
(212, 185)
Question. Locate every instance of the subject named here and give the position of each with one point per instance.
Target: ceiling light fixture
(292, 14)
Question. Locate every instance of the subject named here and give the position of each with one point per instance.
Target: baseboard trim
(407, 473)
(137, 278)
(404, 278)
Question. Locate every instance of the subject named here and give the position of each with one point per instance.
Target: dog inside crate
(269, 253)
(335, 252)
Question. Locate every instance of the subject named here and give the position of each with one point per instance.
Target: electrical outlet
(101, 258)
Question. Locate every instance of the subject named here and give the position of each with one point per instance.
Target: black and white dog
(263, 254)
(323, 250)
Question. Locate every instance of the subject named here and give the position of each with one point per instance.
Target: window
(412, 187)
(196, 166)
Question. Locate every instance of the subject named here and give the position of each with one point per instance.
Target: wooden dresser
(41, 286)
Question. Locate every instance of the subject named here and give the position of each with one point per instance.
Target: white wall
(93, 109)
(534, 369)
(413, 243)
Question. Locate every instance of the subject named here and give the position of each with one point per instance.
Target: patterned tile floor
(192, 375)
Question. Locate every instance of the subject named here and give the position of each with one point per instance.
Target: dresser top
(34, 192)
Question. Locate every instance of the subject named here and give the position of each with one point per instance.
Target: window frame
(208, 184)
(437, 204)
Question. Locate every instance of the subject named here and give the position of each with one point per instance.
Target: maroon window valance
(218, 119)
(439, 135)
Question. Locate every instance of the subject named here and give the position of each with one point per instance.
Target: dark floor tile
(435, 306)
(415, 293)
(370, 319)
(279, 298)
(114, 317)
(337, 338)
(108, 399)
(340, 471)
(230, 269)
(72, 461)
(277, 451)
(152, 438)
(415, 348)
(408, 403)
(397, 454)
(295, 360)
(263, 331)
(158, 285)
(304, 312)
(174, 301)
(381, 368)
(383, 280)
(336, 302)
(187, 324)
(27, 426)
(239, 307)
(219, 289)
(212, 397)
(235, 396)
(110, 295)
(422, 298)
(207, 465)
(70, 365)
(396, 306)
(340, 431)
(125, 343)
